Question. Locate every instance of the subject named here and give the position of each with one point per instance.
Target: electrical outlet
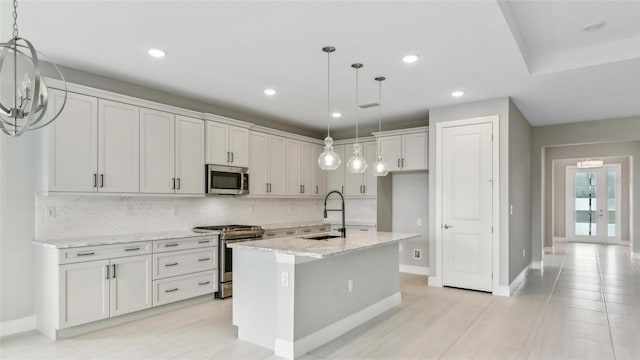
(50, 213)
(417, 254)
(350, 285)
(510, 209)
(524, 252)
(129, 210)
(419, 222)
(284, 279)
(400, 247)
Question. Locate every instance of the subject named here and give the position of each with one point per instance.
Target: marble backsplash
(63, 216)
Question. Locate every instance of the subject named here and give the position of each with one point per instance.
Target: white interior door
(467, 204)
(593, 204)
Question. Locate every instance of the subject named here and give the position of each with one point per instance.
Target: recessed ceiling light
(336, 115)
(269, 92)
(157, 53)
(594, 26)
(411, 58)
(457, 93)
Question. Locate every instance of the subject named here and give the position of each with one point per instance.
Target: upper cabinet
(99, 145)
(405, 150)
(360, 184)
(227, 144)
(335, 178)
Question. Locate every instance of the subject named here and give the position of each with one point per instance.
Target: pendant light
(25, 105)
(328, 160)
(380, 167)
(356, 164)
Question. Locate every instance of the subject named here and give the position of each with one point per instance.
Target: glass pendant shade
(356, 164)
(380, 167)
(328, 160)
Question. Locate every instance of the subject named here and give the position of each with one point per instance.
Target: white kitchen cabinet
(84, 292)
(171, 153)
(227, 144)
(267, 155)
(319, 179)
(189, 146)
(118, 147)
(72, 143)
(406, 151)
(308, 163)
(130, 284)
(361, 184)
(336, 177)
(293, 162)
(157, 152)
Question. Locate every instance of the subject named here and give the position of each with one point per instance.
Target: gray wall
(410, 202)
(613, 130)
(519, 192)
(554, 183)
(476, 109)
(20, 170)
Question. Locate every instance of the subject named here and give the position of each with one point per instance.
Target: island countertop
(299, 246)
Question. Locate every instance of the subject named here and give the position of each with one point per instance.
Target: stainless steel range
(229, 234)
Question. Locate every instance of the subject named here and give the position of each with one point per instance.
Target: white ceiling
(228, 52)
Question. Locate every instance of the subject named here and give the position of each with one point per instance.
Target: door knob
(447, 226)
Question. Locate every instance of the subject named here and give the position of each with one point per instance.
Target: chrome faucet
(343, 231)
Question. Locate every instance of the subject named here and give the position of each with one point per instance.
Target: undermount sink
(321, 237)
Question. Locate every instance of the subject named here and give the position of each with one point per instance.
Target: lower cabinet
(80, 285)
(96, 290)
(286, 232)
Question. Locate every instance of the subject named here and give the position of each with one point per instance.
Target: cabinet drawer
(314, 229)
(279, 233)
(183, 287)
(183, 244)
(184, 262)
(100, 252)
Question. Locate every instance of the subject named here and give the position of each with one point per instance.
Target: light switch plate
(284, 279)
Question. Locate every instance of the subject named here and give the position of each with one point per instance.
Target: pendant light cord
(356, 114)
(328, 94)
(379, 113)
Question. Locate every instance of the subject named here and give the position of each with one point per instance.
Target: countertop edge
(66, 243)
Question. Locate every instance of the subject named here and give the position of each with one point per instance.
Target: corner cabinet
(227, 144)
(405, 150)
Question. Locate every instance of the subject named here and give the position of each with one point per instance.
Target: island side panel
(255, 296)
(321, 288)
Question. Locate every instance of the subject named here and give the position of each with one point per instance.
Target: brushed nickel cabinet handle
(399, 166)
(132, 249)
(290, 232)
(86, 254)
(204, 241)
(306, 231)
(364, 189)
(316, 189)
(171, 245)
(101, 180)
(114, 271)
(232, 156)
(171, 290)
(107, 270)
(266, 187)
(204, 259)
(178, 183)
(228, 157)
(204, 283)
(95, 180)
(171, 264)
(173, 183)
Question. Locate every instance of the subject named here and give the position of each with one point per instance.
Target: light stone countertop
(282, 226)
(118, 239)
(298, 246)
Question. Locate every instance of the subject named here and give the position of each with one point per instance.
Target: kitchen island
(294, 294)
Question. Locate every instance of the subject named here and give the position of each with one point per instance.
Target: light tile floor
(585, 304)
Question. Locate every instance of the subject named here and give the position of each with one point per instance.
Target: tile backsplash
(60, 216)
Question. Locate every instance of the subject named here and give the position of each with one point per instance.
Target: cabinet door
(189, 155)
(319, 174)
(307, 171)
(276, 165)
(118, 147)
(258, 164)
(239, 146)
(157, 134)
(84, 292)
(73, 143)
(292, 166)
(391, 148)
(336, 177)
(218, 143)
(130, 286)
(370, 185)
(414, 151)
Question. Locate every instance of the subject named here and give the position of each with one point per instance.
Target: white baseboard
(559, 239)
(536, 265)
(291, 350)
(502, 290)
(518, 280)
(412, 269)
(17, 326)
(548, 249)
(435, 281)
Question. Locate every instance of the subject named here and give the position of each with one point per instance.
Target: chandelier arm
(46, 98)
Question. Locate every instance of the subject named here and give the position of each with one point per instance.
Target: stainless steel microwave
(227, 180)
